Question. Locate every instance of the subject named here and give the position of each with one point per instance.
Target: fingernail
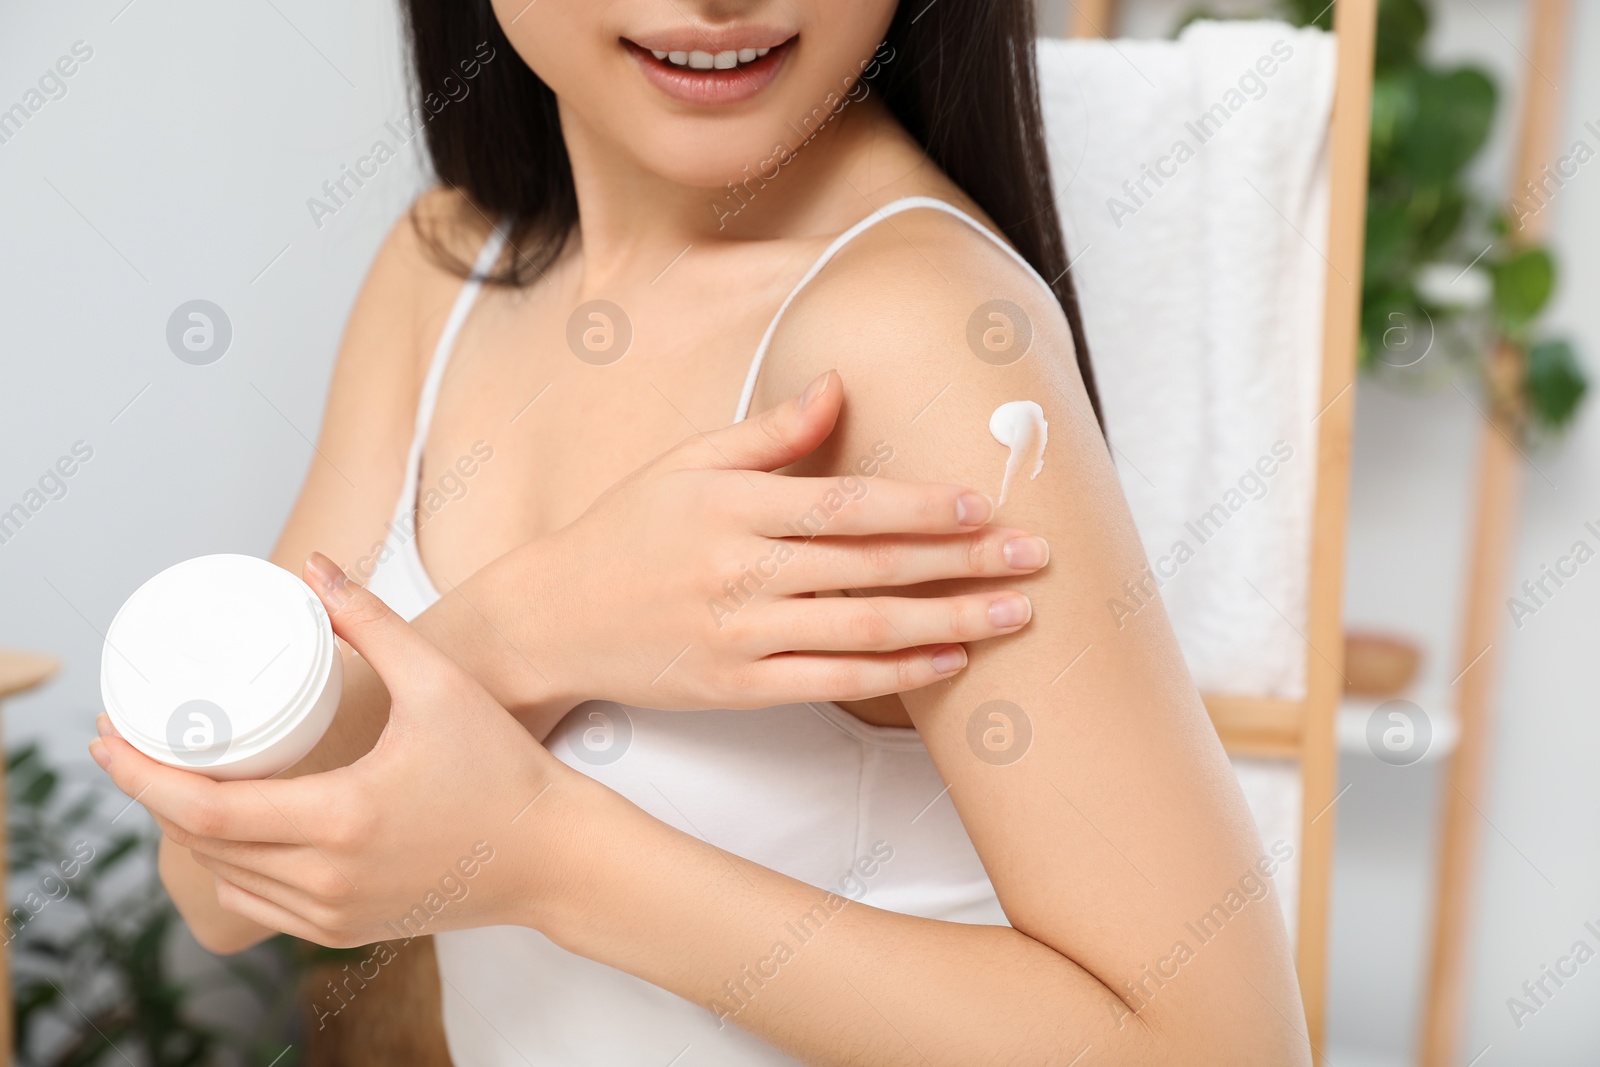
(1009, 611)
(814, 390)
(973, 509)
(102, 725)
(1026, 553)
(99, 753)
(949, 659)
(326, 570)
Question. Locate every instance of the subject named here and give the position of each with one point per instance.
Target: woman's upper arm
(1077, 751)
(356, 470)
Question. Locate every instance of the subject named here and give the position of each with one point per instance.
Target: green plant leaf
(1522, 286)
(1448, 125)
(1402, 24)
(1393, 102)
(120, 849)
(1553, 383)
(37, 792)
(80, 812)
(31, 999)
(1388, 243)
(1395, 330)
(43, 946)
(1308, 13)
(1436, 217)
(21, 757)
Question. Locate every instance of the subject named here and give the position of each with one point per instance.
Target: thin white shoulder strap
(895, 207)
(447, 343)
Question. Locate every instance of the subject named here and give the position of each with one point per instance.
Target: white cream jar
(225, 665)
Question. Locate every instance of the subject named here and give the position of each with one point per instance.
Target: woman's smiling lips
(710, 68)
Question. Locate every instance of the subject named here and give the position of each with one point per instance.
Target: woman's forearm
(193, 891)
(500, 625)
(490, 627)
(833, 981)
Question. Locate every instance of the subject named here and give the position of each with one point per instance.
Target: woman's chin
(714, 164)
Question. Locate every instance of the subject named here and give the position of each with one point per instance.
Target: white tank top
(806, 789)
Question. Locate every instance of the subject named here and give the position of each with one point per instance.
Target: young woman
(881, 847)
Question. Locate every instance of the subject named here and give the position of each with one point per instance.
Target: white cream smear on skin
(1020, 426)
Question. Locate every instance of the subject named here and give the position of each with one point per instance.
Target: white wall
(1545, 798)
(177, 167)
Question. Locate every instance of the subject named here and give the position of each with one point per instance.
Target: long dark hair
(962, 82)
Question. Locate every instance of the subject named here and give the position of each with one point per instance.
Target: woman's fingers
(774, 438)
(272, 858)
(401, 656)
(263, 912)
(241, 811)
(776, 679)
(289, 897)
(885, 624)
(910, 559)
(860, 504)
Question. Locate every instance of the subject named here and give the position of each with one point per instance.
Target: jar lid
(214, 658)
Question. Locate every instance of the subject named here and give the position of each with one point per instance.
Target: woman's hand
(700, 580)
(444, 824)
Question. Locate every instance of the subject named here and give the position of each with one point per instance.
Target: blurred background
(177, 163)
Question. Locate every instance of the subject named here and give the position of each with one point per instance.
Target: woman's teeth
(712, 60)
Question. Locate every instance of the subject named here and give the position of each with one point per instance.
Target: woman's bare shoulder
(932, 325)
(405, 299)
(442, 233)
